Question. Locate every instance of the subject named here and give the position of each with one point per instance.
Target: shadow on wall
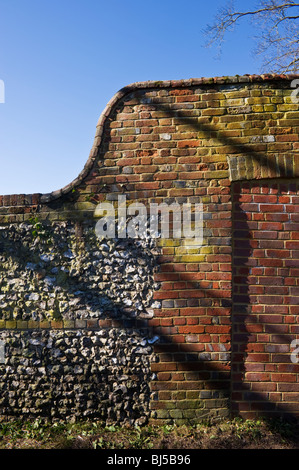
(279, 383)
(51, 276)
(259, 394)
(245, 396)
(265, 298)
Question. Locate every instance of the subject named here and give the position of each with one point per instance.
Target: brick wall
(265, 298)
(186, 142)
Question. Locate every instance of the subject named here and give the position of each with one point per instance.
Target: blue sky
(62, 61)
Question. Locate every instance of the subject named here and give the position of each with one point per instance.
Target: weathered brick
(185, 142)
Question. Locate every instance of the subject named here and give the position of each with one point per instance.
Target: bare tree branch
(278, 27)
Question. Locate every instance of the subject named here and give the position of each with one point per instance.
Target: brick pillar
(265, 297)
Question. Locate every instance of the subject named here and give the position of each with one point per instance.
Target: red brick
(283, 377)
(188, 143)
(165, 176)
(128, 161)
(192, 175)
(261, 198)
(188, 329)
(258, 376)
(270, 226)
(271, 208)
(165, 295)
(191, 294)
(278, 253)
